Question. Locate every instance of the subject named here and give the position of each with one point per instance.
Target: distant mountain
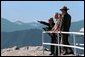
(31, 37)
(21, 38)
(19, 22)
(26, 34)
(7, 26)
(76, 26)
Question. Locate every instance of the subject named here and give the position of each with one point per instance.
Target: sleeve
(66, 22)
(62, 24)
(45, 23)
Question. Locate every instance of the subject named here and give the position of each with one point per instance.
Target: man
(50, 25)
(53, 39)
(65, 26)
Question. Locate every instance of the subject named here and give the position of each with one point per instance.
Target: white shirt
(56, 21)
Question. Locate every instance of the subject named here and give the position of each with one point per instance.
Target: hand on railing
(55, 30)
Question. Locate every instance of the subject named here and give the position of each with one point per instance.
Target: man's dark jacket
(66, 22)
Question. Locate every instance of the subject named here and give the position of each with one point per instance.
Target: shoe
(71, 53)
(55, 54)
(68, 53)
(51, 54)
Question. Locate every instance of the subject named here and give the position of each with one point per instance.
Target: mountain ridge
(26, 37)
(8, 26)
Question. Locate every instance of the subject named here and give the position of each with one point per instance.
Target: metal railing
(72, 46)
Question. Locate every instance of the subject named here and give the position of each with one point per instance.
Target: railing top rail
(76, 33)
(64, 45)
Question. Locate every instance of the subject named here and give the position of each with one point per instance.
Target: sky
(31, 11)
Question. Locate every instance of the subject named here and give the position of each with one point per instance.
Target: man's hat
(64, 8)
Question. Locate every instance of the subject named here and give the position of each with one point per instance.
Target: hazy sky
(30, 11)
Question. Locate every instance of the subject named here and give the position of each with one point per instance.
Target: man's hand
(39, 21)
(44, 23)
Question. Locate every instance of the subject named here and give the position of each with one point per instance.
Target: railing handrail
(64, 45)
(77, 33)
(63, 32)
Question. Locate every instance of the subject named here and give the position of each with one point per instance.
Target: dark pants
(54, 49)
(53, 40)
(64, 40)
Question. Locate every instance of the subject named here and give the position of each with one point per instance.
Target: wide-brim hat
(64, 8)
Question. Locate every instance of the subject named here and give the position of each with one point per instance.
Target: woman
(57, 25)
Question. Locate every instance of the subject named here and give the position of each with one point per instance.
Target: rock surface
(27, 51)
(24, 51)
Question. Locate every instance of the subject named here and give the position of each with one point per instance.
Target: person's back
(66, 22)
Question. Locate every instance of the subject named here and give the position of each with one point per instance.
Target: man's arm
(61, 24)
(45, 23)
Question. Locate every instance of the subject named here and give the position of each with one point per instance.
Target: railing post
(74, 41)
(43, 42)
(74, 44)
(58, 46)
